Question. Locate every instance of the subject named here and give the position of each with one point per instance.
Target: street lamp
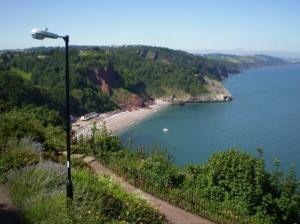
(40, 35)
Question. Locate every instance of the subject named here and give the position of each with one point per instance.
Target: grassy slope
(21, 73)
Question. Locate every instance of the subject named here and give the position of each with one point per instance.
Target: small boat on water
(165, 130)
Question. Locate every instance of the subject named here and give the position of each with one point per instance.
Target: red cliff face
(136, 101)
(107, 79)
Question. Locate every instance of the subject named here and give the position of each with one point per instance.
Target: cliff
(110, 82)
(107, 79)
(216, 92)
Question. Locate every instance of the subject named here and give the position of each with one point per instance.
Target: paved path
(8, 213)
(174, 214)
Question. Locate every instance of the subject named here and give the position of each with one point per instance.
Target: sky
(194, 25)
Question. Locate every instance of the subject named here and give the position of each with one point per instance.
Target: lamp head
(40, 34)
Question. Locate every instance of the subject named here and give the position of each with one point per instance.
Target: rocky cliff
(110, 82)
(216, 92)
(107, 79)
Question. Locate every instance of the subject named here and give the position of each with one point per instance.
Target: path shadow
(9, 215)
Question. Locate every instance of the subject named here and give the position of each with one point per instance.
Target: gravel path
(174, 214)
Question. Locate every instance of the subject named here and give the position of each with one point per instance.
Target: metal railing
(189, 201)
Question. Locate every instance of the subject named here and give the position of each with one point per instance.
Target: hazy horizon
(281, 54)
(191, 26)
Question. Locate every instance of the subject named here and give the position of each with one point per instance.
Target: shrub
(25, 143)
(231, 185)
(101, 143)
(39, 191)
(38, 123)
(113, 202)
(17, 155)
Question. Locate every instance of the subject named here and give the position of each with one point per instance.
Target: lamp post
(40, 35)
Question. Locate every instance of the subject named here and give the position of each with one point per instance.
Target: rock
(216, 93)
(107, 79)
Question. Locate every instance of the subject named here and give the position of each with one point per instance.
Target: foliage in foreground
(18, 154)
(39, 191)
(15, 92)
(231, 187)
(39, 123)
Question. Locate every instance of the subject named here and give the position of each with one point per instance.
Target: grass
(39, 191)
(174, 91)
(21, 73)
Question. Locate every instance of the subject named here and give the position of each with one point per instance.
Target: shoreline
(118, 122)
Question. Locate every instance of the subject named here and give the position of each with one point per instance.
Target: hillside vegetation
(97, 199)
(231, 187)
(37, 188)
(107, 78)
(235, 63)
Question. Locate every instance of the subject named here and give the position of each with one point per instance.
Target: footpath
(174, 215)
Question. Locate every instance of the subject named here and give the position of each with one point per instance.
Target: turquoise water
(265, 114)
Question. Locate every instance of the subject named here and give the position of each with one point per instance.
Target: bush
(18, 154)
(232, 185)
(39, 192)
(97, 199)
(101, 143)
(240, 179)
(38, 123)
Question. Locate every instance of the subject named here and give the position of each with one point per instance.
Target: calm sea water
(265, 114)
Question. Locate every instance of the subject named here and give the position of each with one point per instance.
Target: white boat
(165, 130)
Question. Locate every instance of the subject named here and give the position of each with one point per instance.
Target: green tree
(39, 123)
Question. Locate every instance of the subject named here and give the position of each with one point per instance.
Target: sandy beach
(118, 121)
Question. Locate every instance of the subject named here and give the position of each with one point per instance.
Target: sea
(265, 114)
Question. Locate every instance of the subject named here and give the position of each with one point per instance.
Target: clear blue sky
(269, 25)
